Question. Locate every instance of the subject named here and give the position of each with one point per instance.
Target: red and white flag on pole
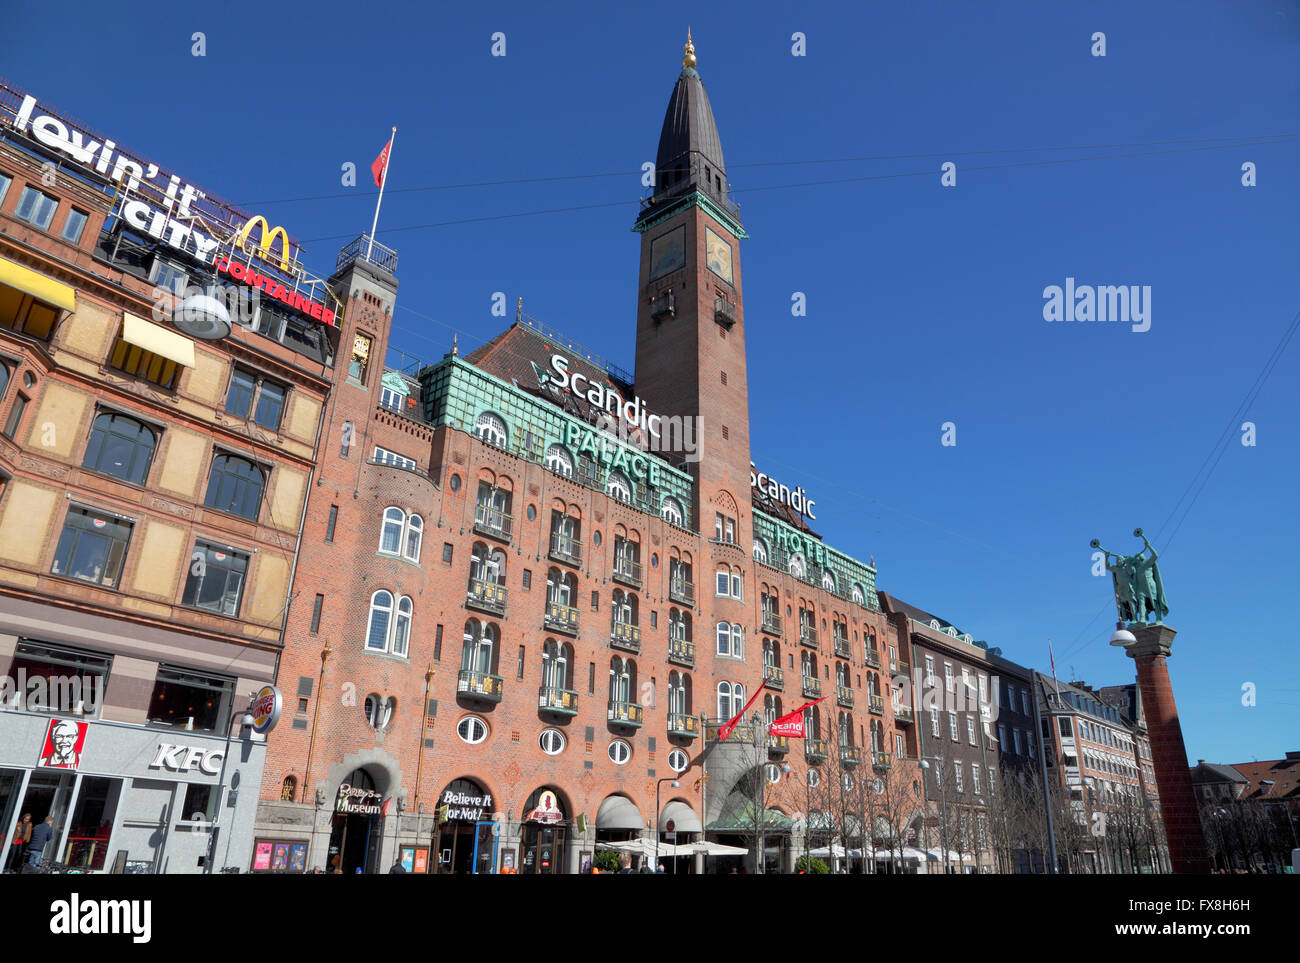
(734, 721)
(380, 167)
(1052, 656)
(791, 724)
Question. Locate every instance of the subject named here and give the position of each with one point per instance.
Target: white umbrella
(711, 849)
(836, 851)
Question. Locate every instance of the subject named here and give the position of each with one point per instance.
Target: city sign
(796, 498)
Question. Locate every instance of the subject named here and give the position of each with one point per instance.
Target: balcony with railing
(625, 714)
(771, 623)
(555, 699)
(494, 522)
(876, 703)
(561, 618)
(365, 248)
(812, 687)
(873, 658)
(627, 572)
(844, 696)
(779, 745)
(663, 307)
(480, 685)
(898, 667)
(850, 755)
(681, 652)
(774, 677)
(903, 714)
(881, 761)
(626, 636)
(842, 649)
(724, 312)
(486, 596)
(565, 549)
(681, 591)
(683, 724)
(814, 750)
(808, 635)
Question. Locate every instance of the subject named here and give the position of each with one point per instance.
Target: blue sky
(924, 302)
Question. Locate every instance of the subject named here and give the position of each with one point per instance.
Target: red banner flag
(734, 721)
(791, 724)
(380, 167)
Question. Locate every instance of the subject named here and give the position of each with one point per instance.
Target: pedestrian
(18, 845)
(625, 863)
(398, 867)
(40, 838)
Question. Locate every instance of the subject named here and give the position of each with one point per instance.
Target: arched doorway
(357, 826)
(679, 826)
(465, 840)
(545, 832)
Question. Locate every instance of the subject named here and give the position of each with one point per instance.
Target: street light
(943, 800)
(658, 785)
(246, 721)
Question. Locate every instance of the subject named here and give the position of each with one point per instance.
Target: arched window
(555, 665)
(677, 694)
(487, 564)
(859, 596)
(812, 723)
(724, 701)
(414, 536)
(772, 708)
(796, 565)
(477, 651)
(841, 675)
(119, 446)
(809, 663)
(559, 460)
(624, 607)
(672, 512)
(846, 729)
(491, 428)
(235, 485)
(724, 638)
(559, 587)
(760, 551)
(771, 653)
(622, 679)
(390, 535)
(289, 789)
(381, 617)
(828, 580)
(402, 626)
(617, 486)
(679, 625)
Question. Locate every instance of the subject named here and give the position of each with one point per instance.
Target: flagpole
(382, 184)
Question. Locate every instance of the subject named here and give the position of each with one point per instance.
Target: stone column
(1168, 754)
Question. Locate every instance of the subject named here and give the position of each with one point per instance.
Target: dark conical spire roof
(690, 151)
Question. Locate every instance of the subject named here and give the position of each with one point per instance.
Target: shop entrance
(543, 835)
(465, 840)
(354, 839)
(48, 794)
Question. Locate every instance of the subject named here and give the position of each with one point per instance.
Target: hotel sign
(795, 498)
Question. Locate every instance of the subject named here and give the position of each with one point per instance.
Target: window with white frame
(619, 752)
(970, 728)
(796, 566)
(934, 722)
(401, 534)
(952, 725)
(672, 512)
(859, 596)
(929, 670)
(975, 778)
(948, 679)
(828, 580)
(389, 627)
(472, 729)
(760, 551)
(731, 640)
(731, 699)
(386, 457)
(957, 780)
(559, 460)
(617, 486)
(491, 428)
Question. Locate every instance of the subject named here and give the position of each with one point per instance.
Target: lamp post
(245, 720)
(943, 801)
(659, 785)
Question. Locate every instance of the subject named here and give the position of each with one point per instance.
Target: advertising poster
(262, 856)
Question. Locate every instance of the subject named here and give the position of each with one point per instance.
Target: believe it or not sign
(796, 498)
(265, 708)
(174, 758)
(464, 807)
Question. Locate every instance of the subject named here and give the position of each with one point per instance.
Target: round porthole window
(847, 782)
(532, 512)
(472, 729)
(678, 761)
(619, 752)
(455, 483)
(773, 772)
(654, 560)
(596, 539)
(552, 742)
(814, 777)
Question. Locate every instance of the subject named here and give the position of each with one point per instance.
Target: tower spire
(688, 56)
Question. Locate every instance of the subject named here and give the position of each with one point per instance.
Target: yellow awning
(37, 285)
(162, 342)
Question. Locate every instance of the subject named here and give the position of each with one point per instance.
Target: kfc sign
(64, 741)
(186, 758)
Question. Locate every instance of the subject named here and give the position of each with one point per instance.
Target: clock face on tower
(717, 255)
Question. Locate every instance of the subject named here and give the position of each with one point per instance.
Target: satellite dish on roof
(202, 316)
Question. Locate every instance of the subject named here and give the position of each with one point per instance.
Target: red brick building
(510, 629)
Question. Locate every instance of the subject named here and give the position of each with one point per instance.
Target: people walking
(17, 848)
(41, 835)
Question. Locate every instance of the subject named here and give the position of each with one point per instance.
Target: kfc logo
(64, 742)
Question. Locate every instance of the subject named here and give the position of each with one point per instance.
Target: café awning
(682, 816)
(38, 285)
(158, 340)
(618, 812)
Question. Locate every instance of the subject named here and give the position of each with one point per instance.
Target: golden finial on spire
(688, 58)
